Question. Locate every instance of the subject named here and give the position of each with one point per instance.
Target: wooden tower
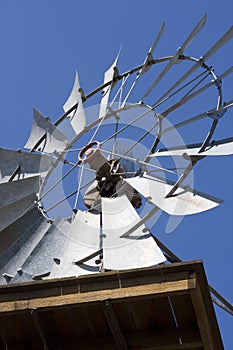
(165, 307)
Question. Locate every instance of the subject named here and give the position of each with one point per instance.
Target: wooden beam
(118, 294)
(184, 346)
(171, 339)
(114, 325)
(205, 315)
(34, 314)
(135, 341)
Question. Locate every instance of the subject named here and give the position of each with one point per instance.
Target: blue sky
(42, 44)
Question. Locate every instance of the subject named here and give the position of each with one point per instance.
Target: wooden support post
(114, 325)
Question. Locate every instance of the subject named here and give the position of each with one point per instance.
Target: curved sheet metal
(29, 163)
(108, 76)
(10, 192)
(82, 240)
(147, 62)
(182, 202)
(216, 47)
(138, 250)
(42, 249)
(77, 117)
(54, 140)
(41, 260)
(179, 52)
(16, 198)
(12, 212)
(18, 241)
(216, 148)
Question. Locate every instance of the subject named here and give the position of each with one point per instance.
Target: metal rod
(218, 303)
(211, 289)
(70, 195)
(139, 162)
(15, 172)
(208, 137)
(81, 261)
(220, 297)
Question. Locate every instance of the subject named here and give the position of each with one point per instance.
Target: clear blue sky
(43, 42)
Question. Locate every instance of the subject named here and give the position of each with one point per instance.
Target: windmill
(126, 161)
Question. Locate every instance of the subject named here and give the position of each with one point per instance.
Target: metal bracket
(217, 114)
(178, 55)
(116, 115)
(148, 63)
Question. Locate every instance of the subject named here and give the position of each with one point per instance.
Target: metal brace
(217, 114)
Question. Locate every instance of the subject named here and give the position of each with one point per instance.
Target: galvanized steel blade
(109, 75)
(77, 117)
(183, 202)
(11, 192)
(216, 47)
(82, 240)
(138, 250)
(41, 260)
(18, 241)
(194, 32)
(215, 148)
(146, 64)
(13, 211)
(157, 39)
(179, 52)
(16, 198)
(52, 138)
(29, 163)
(219, 44)
(85, 230)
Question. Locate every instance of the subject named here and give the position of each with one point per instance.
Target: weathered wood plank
(206, 320)
(142, 291)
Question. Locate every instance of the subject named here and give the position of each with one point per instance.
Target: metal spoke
(185, 99)
(78, 190)
(164, 99)
(210, 113)
(139, 140)
(124, 80)
(70, 195)
(139, 162)
(56, 183)
(128, 125)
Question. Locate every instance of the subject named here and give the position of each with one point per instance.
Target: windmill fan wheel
(79, 200)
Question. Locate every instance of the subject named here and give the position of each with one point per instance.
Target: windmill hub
(109, 177)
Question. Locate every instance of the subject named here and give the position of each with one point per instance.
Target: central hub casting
(109, 177)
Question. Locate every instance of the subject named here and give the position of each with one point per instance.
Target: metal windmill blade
(45, 136)
(109, 75)
(215, 148)
(77, 117)
(119, 253)
(114, 173)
